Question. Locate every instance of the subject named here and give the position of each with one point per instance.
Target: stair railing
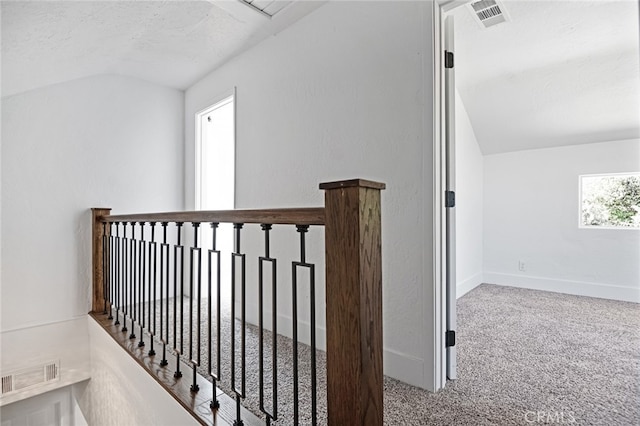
(137, 266)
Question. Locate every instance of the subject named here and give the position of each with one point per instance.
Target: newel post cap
(351, 183)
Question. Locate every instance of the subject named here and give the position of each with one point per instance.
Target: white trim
(578, 288)
(449, 5)
(285, 326)
(242, 11)
(439, 270)
(398, 365)
(402, 367)
(43, 324)
(449, 213)
(220, 100)
(609, 228)
(438, 374)
(611, 174)
(465, 286)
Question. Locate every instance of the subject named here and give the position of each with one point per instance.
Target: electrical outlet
(521, 266)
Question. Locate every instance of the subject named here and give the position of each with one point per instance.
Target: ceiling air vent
(488, 13)
(30, 376)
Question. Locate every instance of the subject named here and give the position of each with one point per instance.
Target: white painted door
(215, 178)
(450, 215)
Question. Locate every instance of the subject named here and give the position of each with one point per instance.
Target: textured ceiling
(560, 73)
(172, 43)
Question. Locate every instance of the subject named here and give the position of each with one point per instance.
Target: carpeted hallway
(524, 357)
(531, 357)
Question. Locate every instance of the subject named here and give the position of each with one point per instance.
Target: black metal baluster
(105, 267)
(302, 230)
(195, 280)
(240, 393)
(125, 277)
(164, 280)
(294, 315)
(153, 273)
(142, 249)
(191, 303)
(117, 274)
(132, 279)
(166, 328)
(312, 310)
(274, 372)
(111, 269)
(218, 312)
(178, 275)
(215, 404)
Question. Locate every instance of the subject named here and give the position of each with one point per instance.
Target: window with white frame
(215, 156)
(610, 201)
(215, 160)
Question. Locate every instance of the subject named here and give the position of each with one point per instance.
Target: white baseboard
(400, 366)
(285, 326)
(403, 367)
(579, 288)
(464, 287)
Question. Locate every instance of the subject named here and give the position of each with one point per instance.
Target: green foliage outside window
(611, 201)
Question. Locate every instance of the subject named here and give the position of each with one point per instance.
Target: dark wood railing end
(353, 302)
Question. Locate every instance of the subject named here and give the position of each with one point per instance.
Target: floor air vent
(7, 384)
(488, 12)
(30, 376)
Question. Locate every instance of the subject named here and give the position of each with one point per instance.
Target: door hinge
(450, 338)
(448, 59)
(450, 199)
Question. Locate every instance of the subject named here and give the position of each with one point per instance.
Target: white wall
(531, 210)
(55, 408)
(469, 175)
(345, 92)
(104, 141)
(122, 393)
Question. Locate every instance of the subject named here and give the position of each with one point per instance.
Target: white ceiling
(560, 73)
(171, 43)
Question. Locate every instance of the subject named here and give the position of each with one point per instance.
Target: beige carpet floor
(532, 357)
(524, 357)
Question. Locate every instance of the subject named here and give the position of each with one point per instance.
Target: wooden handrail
(352, 222)
(301, 216)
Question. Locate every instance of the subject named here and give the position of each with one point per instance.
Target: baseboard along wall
(578, 288)
(400, 366)
(465, 286)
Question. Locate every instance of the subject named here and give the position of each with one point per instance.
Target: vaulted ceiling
(171, 43)
(556, 73)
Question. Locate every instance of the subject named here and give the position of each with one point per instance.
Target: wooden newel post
(354, 302)
(98, 262)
